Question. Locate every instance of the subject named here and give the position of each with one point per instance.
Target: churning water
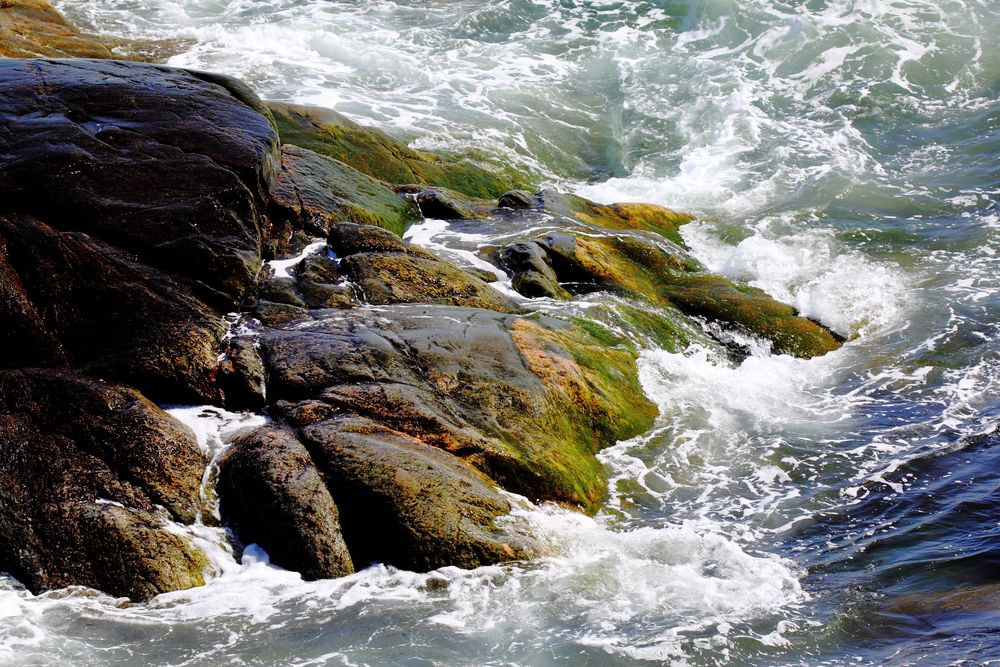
(843, 156)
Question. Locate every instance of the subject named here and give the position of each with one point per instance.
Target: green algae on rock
(313, 192)
(528, 401)
(375, 153)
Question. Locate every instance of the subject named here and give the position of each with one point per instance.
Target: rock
(350, 239)
(241, 377)
(533, 275)
(273, 314)
(517, 199)
(84, 467)
(375, 153)
(648, 217)
(33, 28)
(527, 401)
(580, 257)
(168, 165)
(272, 495)
(384, 278)
(25, 339)
(444, 204)
(314, 192)
(752, 311)
(87, 305)
(410, 505)
(642, 268)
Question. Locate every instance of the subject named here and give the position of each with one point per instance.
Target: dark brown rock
(89, 305)
(272, 494)
(411, 505)
(166, 164)
(241, 376)
(83, 468)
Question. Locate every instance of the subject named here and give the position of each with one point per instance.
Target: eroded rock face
(84, 467)
(159, 162)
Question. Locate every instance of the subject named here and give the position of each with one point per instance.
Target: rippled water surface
(840, 155)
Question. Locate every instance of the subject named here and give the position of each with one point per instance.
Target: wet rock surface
(159, 162)
(85, 468)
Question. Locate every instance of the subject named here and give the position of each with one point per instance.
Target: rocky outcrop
(642, 261)
(526, 400)
(130, 217)
(139, 203)
(89, 473)
(33, 28)
(273, 495)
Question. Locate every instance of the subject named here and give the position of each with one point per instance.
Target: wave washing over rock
(280, 387)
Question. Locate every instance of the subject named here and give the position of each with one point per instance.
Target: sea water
(842, 156)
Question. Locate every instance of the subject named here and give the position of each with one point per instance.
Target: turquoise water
(840, 155)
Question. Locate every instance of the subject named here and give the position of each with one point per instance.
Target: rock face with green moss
(376, 154)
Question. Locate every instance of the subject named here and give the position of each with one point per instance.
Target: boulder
(384, 278)
(409, 504)
(89, 472)
(168, 165)
(272, 495)
(375, 153)
(33, 28)
(445, 204)
(528, 401)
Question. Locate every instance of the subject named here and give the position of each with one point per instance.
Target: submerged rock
(85, 469)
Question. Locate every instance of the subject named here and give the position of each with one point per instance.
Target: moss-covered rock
(649, 217)
(314, 192)
(643, 267)
(375, 153)
(33, 28)
(527, 401)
